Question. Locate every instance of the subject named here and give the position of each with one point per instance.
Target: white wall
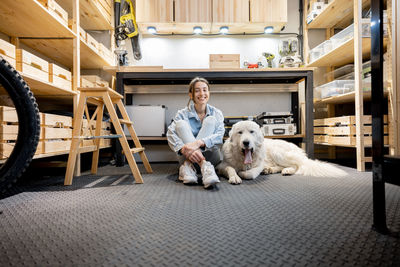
(193, 51)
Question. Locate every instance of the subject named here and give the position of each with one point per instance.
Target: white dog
(246, 154)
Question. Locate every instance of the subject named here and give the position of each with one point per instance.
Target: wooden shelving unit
(91, 15)
(32, 24)
(339, 14)
(342, 55)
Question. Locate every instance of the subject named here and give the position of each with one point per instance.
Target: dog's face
(246, 136)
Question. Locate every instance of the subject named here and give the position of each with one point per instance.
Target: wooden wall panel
(230, 11)
(154, 11)
(192, 11)
(268, 10)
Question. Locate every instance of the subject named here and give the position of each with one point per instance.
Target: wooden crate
(224, 61)
(51, 146)
(82, 32)
(341, 131)
(32, 65)
(53, 120)
(106, 53)
(96, 80)
(92, 43)
(56, 10)
(9, 131)
(7, 148)
(7, 51)
(60, 77)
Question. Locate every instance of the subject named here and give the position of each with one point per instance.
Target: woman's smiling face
(201, 93)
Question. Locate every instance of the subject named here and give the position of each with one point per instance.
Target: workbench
(158, 76)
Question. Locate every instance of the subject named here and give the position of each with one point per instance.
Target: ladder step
(110, 136)
(125, 121)
(135, 150)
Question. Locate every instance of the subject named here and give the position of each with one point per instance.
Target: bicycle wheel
(17, 146)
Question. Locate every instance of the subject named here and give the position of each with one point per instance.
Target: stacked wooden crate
(55, 9)
(7, 51)
(341, 131)
(56, 132)
(90, 131)
(9, 132)
(30, 64)
(60, 77)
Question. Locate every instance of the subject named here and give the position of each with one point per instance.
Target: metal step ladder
(103, 96)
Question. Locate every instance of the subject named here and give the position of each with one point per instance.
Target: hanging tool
(126, 27)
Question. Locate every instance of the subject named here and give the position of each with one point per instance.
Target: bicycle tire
(27, 139)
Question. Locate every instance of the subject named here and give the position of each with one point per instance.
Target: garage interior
(336, 86)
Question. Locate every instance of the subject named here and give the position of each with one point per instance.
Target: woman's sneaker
(209, 175)
(187, 173)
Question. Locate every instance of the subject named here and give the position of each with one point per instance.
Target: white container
(147, 120)
(336, 87)
(342, 36)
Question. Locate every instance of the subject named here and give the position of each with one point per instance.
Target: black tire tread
(23, 160)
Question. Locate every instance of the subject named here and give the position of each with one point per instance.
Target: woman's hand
(189, 148)
(196, 157)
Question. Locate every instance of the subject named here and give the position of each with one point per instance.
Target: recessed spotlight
(268, 29)
(224, 29)
(197, 30)
(151, 30)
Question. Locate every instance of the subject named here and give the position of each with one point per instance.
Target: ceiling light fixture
(197, 30)
(224, 29)
(268, 29)
(151, 30)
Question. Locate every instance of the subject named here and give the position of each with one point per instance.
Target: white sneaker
(187, 173)
(209, 176)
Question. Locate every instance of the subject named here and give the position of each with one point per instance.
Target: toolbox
(148, 120)
(279, 129)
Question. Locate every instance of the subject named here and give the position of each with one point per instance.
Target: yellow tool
(126, 26)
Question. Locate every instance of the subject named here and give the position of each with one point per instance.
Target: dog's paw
(288, 171)
(247, 175)
(235, 180)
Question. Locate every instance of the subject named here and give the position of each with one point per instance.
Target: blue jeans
(183, 130)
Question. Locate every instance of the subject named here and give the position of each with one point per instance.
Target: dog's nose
(246, 143)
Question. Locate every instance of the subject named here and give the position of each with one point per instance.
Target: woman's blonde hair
(192, 84)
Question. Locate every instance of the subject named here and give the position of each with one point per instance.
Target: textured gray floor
(274, 220)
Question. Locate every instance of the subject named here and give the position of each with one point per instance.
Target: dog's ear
(260, 135)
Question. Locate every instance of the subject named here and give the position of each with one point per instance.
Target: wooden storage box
(92, 43)
(224, 61)
(82, 32)
(56, 10)
(96, 80)
(341, 131)
(7, 51)
(32, 65)
(60, 77)
(56, 132)
(9, 131)
(105, 53)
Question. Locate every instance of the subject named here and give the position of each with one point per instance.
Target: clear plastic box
(333, 88)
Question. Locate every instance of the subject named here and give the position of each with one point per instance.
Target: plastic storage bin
(333, 88)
